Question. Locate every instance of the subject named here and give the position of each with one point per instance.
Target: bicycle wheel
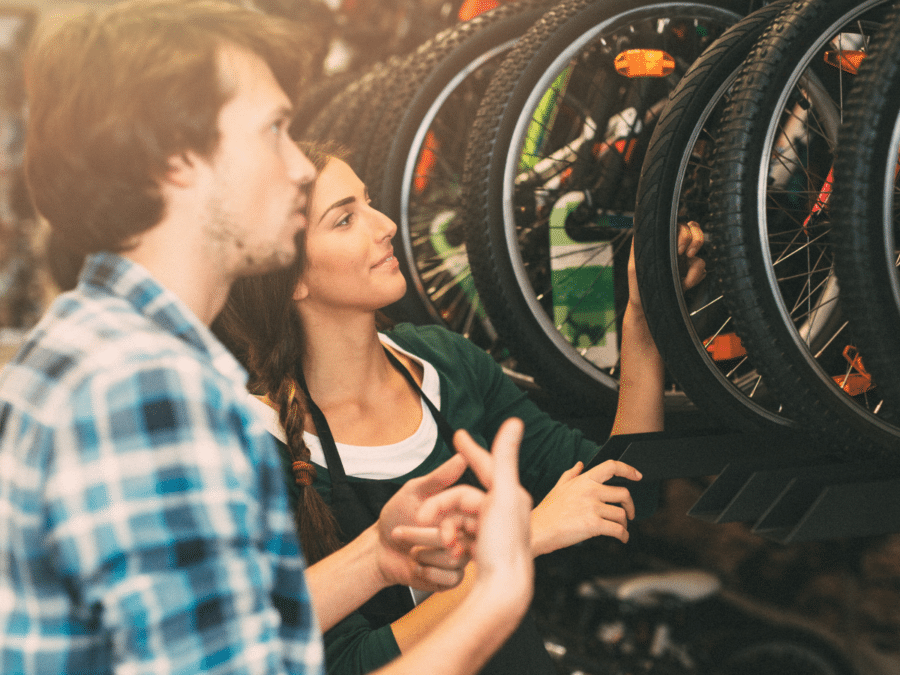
(784, 655)
(361, 100)
(866, 203)
(692, 329)
(551, 173)
(771, 184)
(422, 165)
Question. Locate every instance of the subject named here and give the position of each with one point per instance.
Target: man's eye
(280, 125)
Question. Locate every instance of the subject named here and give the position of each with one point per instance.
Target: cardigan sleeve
(478, 396)
(354, 647)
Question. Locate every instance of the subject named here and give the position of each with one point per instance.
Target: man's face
(257, 180)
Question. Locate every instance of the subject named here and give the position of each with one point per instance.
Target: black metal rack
(788, 490)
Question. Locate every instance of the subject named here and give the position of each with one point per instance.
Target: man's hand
(504, 582)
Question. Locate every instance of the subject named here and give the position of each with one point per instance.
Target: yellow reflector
(644, 63)
(847, 60)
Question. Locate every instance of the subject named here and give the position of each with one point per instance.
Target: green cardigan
(476, 395)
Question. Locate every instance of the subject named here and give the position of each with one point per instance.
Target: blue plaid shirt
(144, 525)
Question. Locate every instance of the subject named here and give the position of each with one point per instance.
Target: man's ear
(182, 169)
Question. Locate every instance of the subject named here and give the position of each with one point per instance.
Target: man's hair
(114, 94)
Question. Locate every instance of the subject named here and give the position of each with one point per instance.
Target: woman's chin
(398, 293)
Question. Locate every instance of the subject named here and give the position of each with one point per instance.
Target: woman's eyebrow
(337, 204)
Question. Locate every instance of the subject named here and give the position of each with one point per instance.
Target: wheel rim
(891, 211)
(430, 233)
(793, 222)
(537, 254)
(702, 309)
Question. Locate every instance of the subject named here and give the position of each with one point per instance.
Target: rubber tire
(461, 50)
(430, 61)
(740, 258)
(784, 654)
(540, 349)
(866, 252)
(688, 119)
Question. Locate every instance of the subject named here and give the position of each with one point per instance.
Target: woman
(358, 412)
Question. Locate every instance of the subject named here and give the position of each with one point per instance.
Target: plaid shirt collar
(110, 274)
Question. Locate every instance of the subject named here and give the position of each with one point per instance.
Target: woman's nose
(386, 227)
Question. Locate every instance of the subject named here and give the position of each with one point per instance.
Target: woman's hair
(261, 326)
(113, 94)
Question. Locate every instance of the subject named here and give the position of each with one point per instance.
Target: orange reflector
(472, 8)
(847, 60)
(426, 163)
(725, 346)
(644, 63)
(821, 201)
(854, 383)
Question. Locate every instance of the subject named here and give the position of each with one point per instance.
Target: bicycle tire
(442, 101)
(758, 221)
(784, 655)
(688, 327)
(338, 119)
(865, 198)
(512, 296)
(362, 134)
(315, 97)
(422, 63)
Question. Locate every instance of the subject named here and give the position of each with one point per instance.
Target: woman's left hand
(581, 506)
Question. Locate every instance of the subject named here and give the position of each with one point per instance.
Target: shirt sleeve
(548, 447)
(169, 522)
(354, 647)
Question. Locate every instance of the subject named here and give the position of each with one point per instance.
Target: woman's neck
(343, 357)
(364, 398)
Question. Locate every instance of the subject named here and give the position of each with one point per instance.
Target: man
(143, 524)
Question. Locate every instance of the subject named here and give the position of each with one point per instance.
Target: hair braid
(261, 328)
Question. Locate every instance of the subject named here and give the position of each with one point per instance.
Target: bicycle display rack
(776, 480)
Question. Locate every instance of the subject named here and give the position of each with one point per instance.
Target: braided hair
(261, 326)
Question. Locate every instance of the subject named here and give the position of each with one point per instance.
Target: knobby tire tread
(737, 258)
(558, 28)
(864, 267)
(671, 143)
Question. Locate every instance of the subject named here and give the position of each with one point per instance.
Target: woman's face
(349, 260)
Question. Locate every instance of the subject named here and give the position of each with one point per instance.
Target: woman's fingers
(613, 467)
(460, 500)
(690, 240)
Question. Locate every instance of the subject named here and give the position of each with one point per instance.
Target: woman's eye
(345, 220)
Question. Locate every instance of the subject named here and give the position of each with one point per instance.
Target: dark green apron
(357, 505)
